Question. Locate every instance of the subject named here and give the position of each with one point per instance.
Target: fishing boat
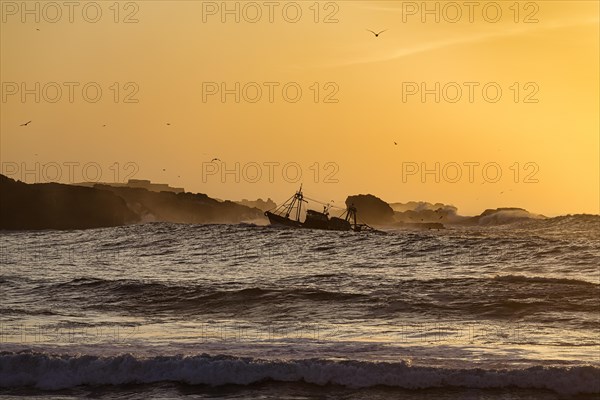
(289, 214)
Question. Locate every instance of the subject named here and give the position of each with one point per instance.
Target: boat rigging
(289, 213)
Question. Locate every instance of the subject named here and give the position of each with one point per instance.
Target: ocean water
(242, 311)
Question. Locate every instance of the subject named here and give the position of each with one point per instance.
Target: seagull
(396, 144)
(164, 169)
(37, 29)
(215, 159)
(103, 125)
(377, 33)
(26, 123)
(168, 123)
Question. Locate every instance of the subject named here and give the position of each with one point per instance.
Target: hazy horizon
(336, 203)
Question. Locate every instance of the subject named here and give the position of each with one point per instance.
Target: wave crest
(54, 372)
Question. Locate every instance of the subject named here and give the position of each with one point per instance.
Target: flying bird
(215, 159)
(395, 143)
(26, 123)
(377, 33)
(168, 123)
(164, 169)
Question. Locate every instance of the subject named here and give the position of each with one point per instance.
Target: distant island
(84, 205)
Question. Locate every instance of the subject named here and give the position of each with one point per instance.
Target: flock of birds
(104, 125)
(169, 124)
(376, 34)
(216, 159)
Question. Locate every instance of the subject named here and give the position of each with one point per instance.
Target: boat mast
(300, 198)
(351, 214)
(296, 198)
(290, 207)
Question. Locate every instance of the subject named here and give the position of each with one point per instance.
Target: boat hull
(276, 219)
(333, 224)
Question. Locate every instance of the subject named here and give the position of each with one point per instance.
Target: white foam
(52, 372)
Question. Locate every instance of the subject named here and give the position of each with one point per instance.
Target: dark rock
(188, 208)
(371, 209)
(260, 204)
(58, 206)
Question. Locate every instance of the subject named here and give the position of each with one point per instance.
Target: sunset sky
(546, 145)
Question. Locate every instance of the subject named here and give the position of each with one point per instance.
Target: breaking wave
(54, 372)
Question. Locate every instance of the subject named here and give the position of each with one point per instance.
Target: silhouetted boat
(289, 213)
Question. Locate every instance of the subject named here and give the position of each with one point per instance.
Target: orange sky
(547, 151)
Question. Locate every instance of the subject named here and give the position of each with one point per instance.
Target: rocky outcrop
(501, 216)
(57, 206)
(260, 204)
(371, 209)
(189, 208)
(420, 206)
(424, 215)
